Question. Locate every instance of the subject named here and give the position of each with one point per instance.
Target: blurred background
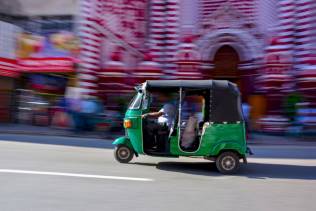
(72, 64)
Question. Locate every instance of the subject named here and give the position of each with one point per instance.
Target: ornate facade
(137, 28)
(254, 43)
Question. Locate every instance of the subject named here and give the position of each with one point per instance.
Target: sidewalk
(255, 138)
(49, 131)
(263, 139)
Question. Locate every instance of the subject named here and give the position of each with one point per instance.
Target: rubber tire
(121, 159)
(219, 163)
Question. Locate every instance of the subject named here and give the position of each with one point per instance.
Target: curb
(71, 135)
(283, 144)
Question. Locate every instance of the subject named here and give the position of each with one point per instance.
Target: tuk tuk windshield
(136, 101)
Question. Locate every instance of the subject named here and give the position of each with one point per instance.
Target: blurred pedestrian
(246, 113)
(89, 110)
(60, 116)
(74, 110)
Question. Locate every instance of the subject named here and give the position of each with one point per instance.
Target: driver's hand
(144, 116)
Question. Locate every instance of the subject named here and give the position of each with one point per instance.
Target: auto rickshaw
(217, 135)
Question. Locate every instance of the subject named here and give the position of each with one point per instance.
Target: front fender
(228, 145)
(123, 140)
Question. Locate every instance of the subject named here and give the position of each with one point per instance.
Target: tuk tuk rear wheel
(123, 153)
(227, 162)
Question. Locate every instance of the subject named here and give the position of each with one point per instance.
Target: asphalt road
(39, 173)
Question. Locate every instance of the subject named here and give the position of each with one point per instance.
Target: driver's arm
(153, 114)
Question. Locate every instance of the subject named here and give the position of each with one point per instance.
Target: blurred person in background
(74, 108)
(89, 111)
(246, 113)
(290, 105)
(60, 114)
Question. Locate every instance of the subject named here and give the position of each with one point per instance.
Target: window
(136, 102)
(145, 103)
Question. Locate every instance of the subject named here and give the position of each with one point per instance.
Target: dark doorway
(226, 61)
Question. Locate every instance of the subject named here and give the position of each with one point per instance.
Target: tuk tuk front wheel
(123, 153)
(227, 162)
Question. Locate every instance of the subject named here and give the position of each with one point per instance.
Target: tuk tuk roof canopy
(194, 84)
(179, 83)
(224, 103)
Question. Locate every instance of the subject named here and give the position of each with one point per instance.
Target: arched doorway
(226, 62)
(233, 55)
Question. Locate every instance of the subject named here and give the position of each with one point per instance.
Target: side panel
(135, 133)
(216, 137)
(224, 137)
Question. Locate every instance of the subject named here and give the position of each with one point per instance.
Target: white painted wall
(39, 7)
(267, 15)
(8, 38)
(188, 15)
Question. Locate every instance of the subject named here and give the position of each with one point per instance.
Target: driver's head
(165, 97)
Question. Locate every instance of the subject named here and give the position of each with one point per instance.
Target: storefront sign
(47, 53)
(57, 45)
(47, 83)
(64, 65)
(8, 68)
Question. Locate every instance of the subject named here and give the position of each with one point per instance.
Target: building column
(164, 32)
(172, 34)
(91, 41)
(305, 33)
(157, 25)
(286, 27)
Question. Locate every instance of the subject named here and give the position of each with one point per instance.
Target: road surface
(39, 173)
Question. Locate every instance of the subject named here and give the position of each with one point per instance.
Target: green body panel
(135, 133)
(216, 137)
(225, 137)
(123, 140)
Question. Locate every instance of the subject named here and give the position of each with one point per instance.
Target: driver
(165, 115)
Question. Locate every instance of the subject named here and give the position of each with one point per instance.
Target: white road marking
(16, 171)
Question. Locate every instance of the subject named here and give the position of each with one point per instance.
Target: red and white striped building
(257, 44)
(161, 28)
(293, 67)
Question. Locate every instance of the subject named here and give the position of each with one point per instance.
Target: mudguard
(123, 140)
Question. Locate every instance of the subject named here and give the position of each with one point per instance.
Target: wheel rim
(228, 163)
(123, 153)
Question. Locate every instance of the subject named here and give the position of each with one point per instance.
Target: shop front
(47, 64)
(8, 76)
(42, 86)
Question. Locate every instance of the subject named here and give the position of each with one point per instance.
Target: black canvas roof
(179, 83)
(202, 84)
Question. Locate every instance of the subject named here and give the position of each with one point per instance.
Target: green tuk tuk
(214, 131)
